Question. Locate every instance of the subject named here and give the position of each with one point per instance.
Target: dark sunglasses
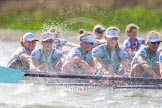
(48, 41)
(155, 42)
(32, 41)
(90, 43)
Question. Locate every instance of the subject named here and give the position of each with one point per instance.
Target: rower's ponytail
(22, 41)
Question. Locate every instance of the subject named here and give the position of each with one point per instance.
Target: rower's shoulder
(98, 50)
(57, 50)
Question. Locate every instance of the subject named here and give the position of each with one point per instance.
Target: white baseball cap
(29, 37)
(153, 38)
(111, 33)
(47, 36)
(88, 38)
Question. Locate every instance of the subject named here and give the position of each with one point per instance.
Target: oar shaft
(96, 77)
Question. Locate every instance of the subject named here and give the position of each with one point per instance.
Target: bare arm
(34, 65)
(102, 67)
(130, 52)
(160, 64)
(125, 67)
(146, 66)
(25, 57)
(92, 64)
(60, 63)
(84, 65)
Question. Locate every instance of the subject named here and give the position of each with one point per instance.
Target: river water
(29, 95)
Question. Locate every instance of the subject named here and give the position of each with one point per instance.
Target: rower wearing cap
(46, 58)
(109, 57)
(145, 62)
(59, 43)
(20, 59)
(98, 32)
(80, 58)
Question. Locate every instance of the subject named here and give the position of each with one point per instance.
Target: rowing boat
(8, 75)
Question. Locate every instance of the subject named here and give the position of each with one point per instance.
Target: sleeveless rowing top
(15, 61)
(134, 45)
(77, 51)
(52, 58)
(113, 57)
(144, 52)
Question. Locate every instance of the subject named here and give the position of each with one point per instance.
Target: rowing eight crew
(106, 59)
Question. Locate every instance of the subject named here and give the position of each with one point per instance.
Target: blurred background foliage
(76, 14)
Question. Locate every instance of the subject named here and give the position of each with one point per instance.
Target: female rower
(81, 31)
(133, 43)
(98, 32)
(46, 58)
(145, 62)
(20, 59)
(109, 57)
(80, 58)
(59, 43)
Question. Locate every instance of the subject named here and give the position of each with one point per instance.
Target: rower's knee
(67, 67)
(136, 70)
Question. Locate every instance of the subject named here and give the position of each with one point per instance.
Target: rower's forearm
(147, 68)
(33, 68)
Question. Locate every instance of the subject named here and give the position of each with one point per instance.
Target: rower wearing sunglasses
(109, 57)
(20, 59)
(80, 58)
(146, 61)
(46, 58)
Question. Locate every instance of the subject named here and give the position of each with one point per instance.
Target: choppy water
(28, 95)
(35, 96)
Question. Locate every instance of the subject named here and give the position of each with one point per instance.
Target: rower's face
(112, 42)
(30, 45)
(98, 35)
(87, 45)
(47, 45)
(153, 46)
(133, 33)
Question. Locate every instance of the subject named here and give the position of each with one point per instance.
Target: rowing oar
(8, 75)
(95, 77)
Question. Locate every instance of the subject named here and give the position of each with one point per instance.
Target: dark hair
(84, 34)
(98, 28)
(81, 31)
(130, 27)
(21, 41)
